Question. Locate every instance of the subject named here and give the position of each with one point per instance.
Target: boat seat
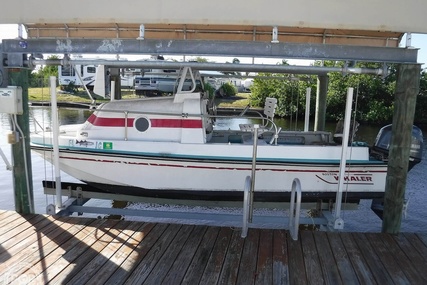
(235, 139)
(291, 140)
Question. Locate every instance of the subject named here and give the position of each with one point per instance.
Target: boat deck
(39, 249)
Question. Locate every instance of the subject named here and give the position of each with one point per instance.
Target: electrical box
(11, 100)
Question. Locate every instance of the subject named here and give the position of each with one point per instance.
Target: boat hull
(164, 176)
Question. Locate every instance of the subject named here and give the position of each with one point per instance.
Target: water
(362, 220)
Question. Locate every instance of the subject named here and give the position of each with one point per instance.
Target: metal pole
(254, 154)
(55, 141)
(339, 223)
(113, 90)
(6, 161)
(294, 69)
(307, 109)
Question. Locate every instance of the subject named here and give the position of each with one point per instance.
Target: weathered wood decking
(40, 249)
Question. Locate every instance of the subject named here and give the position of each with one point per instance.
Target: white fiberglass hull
(221, 175)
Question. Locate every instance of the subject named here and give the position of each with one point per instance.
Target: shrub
(226, 90)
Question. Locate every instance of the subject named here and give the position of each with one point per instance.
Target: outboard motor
(381, 146)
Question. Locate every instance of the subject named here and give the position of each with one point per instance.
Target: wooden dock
(39, 249)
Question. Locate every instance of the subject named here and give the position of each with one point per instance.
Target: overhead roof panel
(214, 32)
(373, 15)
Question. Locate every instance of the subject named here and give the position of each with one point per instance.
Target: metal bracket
(15, 60)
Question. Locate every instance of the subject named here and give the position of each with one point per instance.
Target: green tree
(374, 95)
(289, 91)
(40, 77)
(421, 106)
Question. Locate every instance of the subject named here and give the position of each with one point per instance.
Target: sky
(418, 41)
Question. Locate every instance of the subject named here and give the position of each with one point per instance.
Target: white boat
(170, 147)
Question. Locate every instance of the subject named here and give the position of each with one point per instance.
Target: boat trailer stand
(276, 218)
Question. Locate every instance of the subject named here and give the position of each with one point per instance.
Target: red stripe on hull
(155, 123)
(219, 167)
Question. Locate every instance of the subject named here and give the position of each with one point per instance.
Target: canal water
(360, 220)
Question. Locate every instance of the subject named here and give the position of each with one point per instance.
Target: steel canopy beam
(212, 48)
(292, 69)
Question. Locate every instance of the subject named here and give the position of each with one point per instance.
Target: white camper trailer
(72, 74)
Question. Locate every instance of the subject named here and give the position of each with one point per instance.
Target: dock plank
(377, 268)
(73, 250)
(149, 236)
(197, 266)
(311, 259)
(417, 260)
(113, 239)
(345, 268)
(402, 260)
(417, 243)
(16, 243)
(53, 262)
(166, 261)
(141, 272)
(280, 258)
(16, 227)
(216, 259)
(423, 238)
(5, 220)
(387, 258)
(72, 261)
(231, 263)
(327, 260)
(186, 255)
(123, 250)
(264, 269)
(37, 249)
(297, 273)
(248, 264)
(355, 256)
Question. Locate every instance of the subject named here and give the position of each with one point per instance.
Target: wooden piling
(21, 153)
(322, 91)
(407, 88)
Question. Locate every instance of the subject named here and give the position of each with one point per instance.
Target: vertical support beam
(322, 91)
(21, 153)
(307, 109)
(115, 76)
(407, 88)
(3, 71)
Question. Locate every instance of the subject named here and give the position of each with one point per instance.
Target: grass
(241, 100)
(42, 94)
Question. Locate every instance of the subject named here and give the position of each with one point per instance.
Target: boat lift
(326, 220)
